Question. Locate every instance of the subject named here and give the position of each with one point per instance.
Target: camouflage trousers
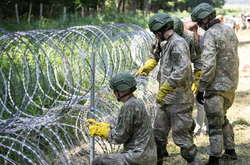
(221, 133)
(109, 159)
(179, 119)
(127, 158)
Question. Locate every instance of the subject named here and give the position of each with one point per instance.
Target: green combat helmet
(159, 20)
(202, 11)
(122, 82)
(178, 25)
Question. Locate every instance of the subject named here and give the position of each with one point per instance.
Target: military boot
(230, 155)
(213, 160)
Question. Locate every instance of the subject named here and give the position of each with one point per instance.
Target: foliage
(54, 8)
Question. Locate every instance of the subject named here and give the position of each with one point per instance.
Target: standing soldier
(192, 37)
(194, 49)
(218, 81)
(133, 128)
(174, 96)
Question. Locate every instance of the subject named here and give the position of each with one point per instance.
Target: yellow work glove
(195, 84)
(146, 68)
(163, 91)
(98, 128)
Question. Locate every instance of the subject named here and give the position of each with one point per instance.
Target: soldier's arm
(195, 54)
(180, 58)
(208, 60)
(122, 130)
(155, 51)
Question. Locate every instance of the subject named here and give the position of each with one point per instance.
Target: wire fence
(46, 79)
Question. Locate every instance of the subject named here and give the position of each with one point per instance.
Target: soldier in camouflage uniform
(193, 41)
(195, 54)
(133, 128)
(218, 81)
(174, 96)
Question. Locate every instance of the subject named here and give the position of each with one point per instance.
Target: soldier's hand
(195, 86)
(141, 72)
(148, 66)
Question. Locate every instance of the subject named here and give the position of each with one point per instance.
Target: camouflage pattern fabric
(220, 130)
(175, 69)
(134, 130)
(179, 119)
(194, 47)
(219, 81)
(220, 59)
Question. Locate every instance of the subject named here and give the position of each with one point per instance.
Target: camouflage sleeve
(181, 59)
(195, 51)
(209, 60)
(122, 130)
(155, 51)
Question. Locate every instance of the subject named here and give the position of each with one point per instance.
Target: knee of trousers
(160, 135)
(215, 122)
(97, 161)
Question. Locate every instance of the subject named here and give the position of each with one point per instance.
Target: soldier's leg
(97, 161)
(228, 135)
(181, 124)
(214, 110)
(110, 159)
(161, 131)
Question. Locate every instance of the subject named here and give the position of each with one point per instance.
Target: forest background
(19, 15)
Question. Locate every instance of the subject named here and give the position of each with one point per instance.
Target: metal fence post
(92, 106)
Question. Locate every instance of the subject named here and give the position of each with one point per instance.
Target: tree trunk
(29, 14)
(82, 11)
(51, 10)
(41, 11)
(123, 5)
(64, 13)
(17, 14)
(148, 8)
(119, 6)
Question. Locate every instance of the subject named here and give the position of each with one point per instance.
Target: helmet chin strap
(211, 22)
(126, 94)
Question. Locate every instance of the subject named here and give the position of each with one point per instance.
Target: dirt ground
(238, 114)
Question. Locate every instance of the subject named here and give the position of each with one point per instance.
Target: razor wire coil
(45, 89)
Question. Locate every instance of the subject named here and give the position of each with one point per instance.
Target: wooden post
(41, 11)
(17, 14)
(29, 14)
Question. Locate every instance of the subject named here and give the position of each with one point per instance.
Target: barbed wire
(45, 83)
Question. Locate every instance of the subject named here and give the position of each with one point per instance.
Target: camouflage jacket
(134, 130)
(175, 69)
(220, 60)
(195, 52)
